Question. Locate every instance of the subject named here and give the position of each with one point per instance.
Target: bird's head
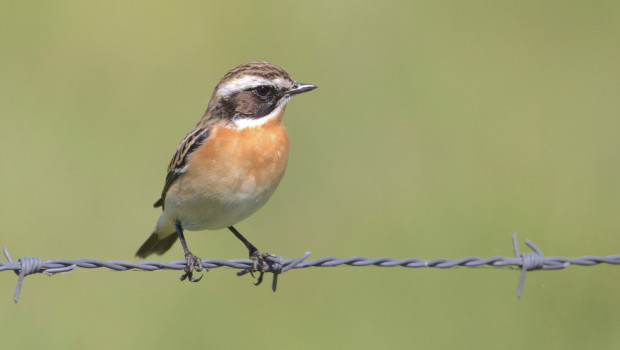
(253, 93)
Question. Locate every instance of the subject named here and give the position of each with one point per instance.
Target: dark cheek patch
(247, 105)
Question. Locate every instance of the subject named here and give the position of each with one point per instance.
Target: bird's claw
(192, 263)
(259, 264)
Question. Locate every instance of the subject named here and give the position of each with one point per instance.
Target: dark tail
(156, 245)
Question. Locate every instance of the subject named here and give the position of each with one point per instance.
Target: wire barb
(27, 265)
(534, 261)
(529, 261)
(278, 265)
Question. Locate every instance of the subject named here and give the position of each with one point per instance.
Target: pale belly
(197, 210)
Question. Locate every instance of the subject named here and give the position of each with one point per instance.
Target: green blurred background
(438, 129)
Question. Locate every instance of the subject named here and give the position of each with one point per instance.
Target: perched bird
(230, 163)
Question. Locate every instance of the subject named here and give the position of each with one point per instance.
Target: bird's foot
(192, 263)
(260, 264)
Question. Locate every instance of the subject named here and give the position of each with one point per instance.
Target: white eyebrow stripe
(247, 82)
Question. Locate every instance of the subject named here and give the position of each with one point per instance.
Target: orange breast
(240, 161)
(229, 177)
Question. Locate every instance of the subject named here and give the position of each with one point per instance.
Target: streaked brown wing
(179, 161)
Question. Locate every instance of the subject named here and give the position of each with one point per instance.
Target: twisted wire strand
(25, 266)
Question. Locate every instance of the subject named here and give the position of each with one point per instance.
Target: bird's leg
(259, 260)
(191, 260)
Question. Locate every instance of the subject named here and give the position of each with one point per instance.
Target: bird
(229, 164)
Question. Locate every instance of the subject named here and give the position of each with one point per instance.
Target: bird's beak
(298, 88)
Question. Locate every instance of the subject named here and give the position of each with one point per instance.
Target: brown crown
(262, 69)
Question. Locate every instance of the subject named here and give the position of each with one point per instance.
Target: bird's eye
(263, 91)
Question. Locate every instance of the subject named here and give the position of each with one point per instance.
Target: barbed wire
(25, 266)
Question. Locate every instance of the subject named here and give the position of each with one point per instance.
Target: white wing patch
(182, 170)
